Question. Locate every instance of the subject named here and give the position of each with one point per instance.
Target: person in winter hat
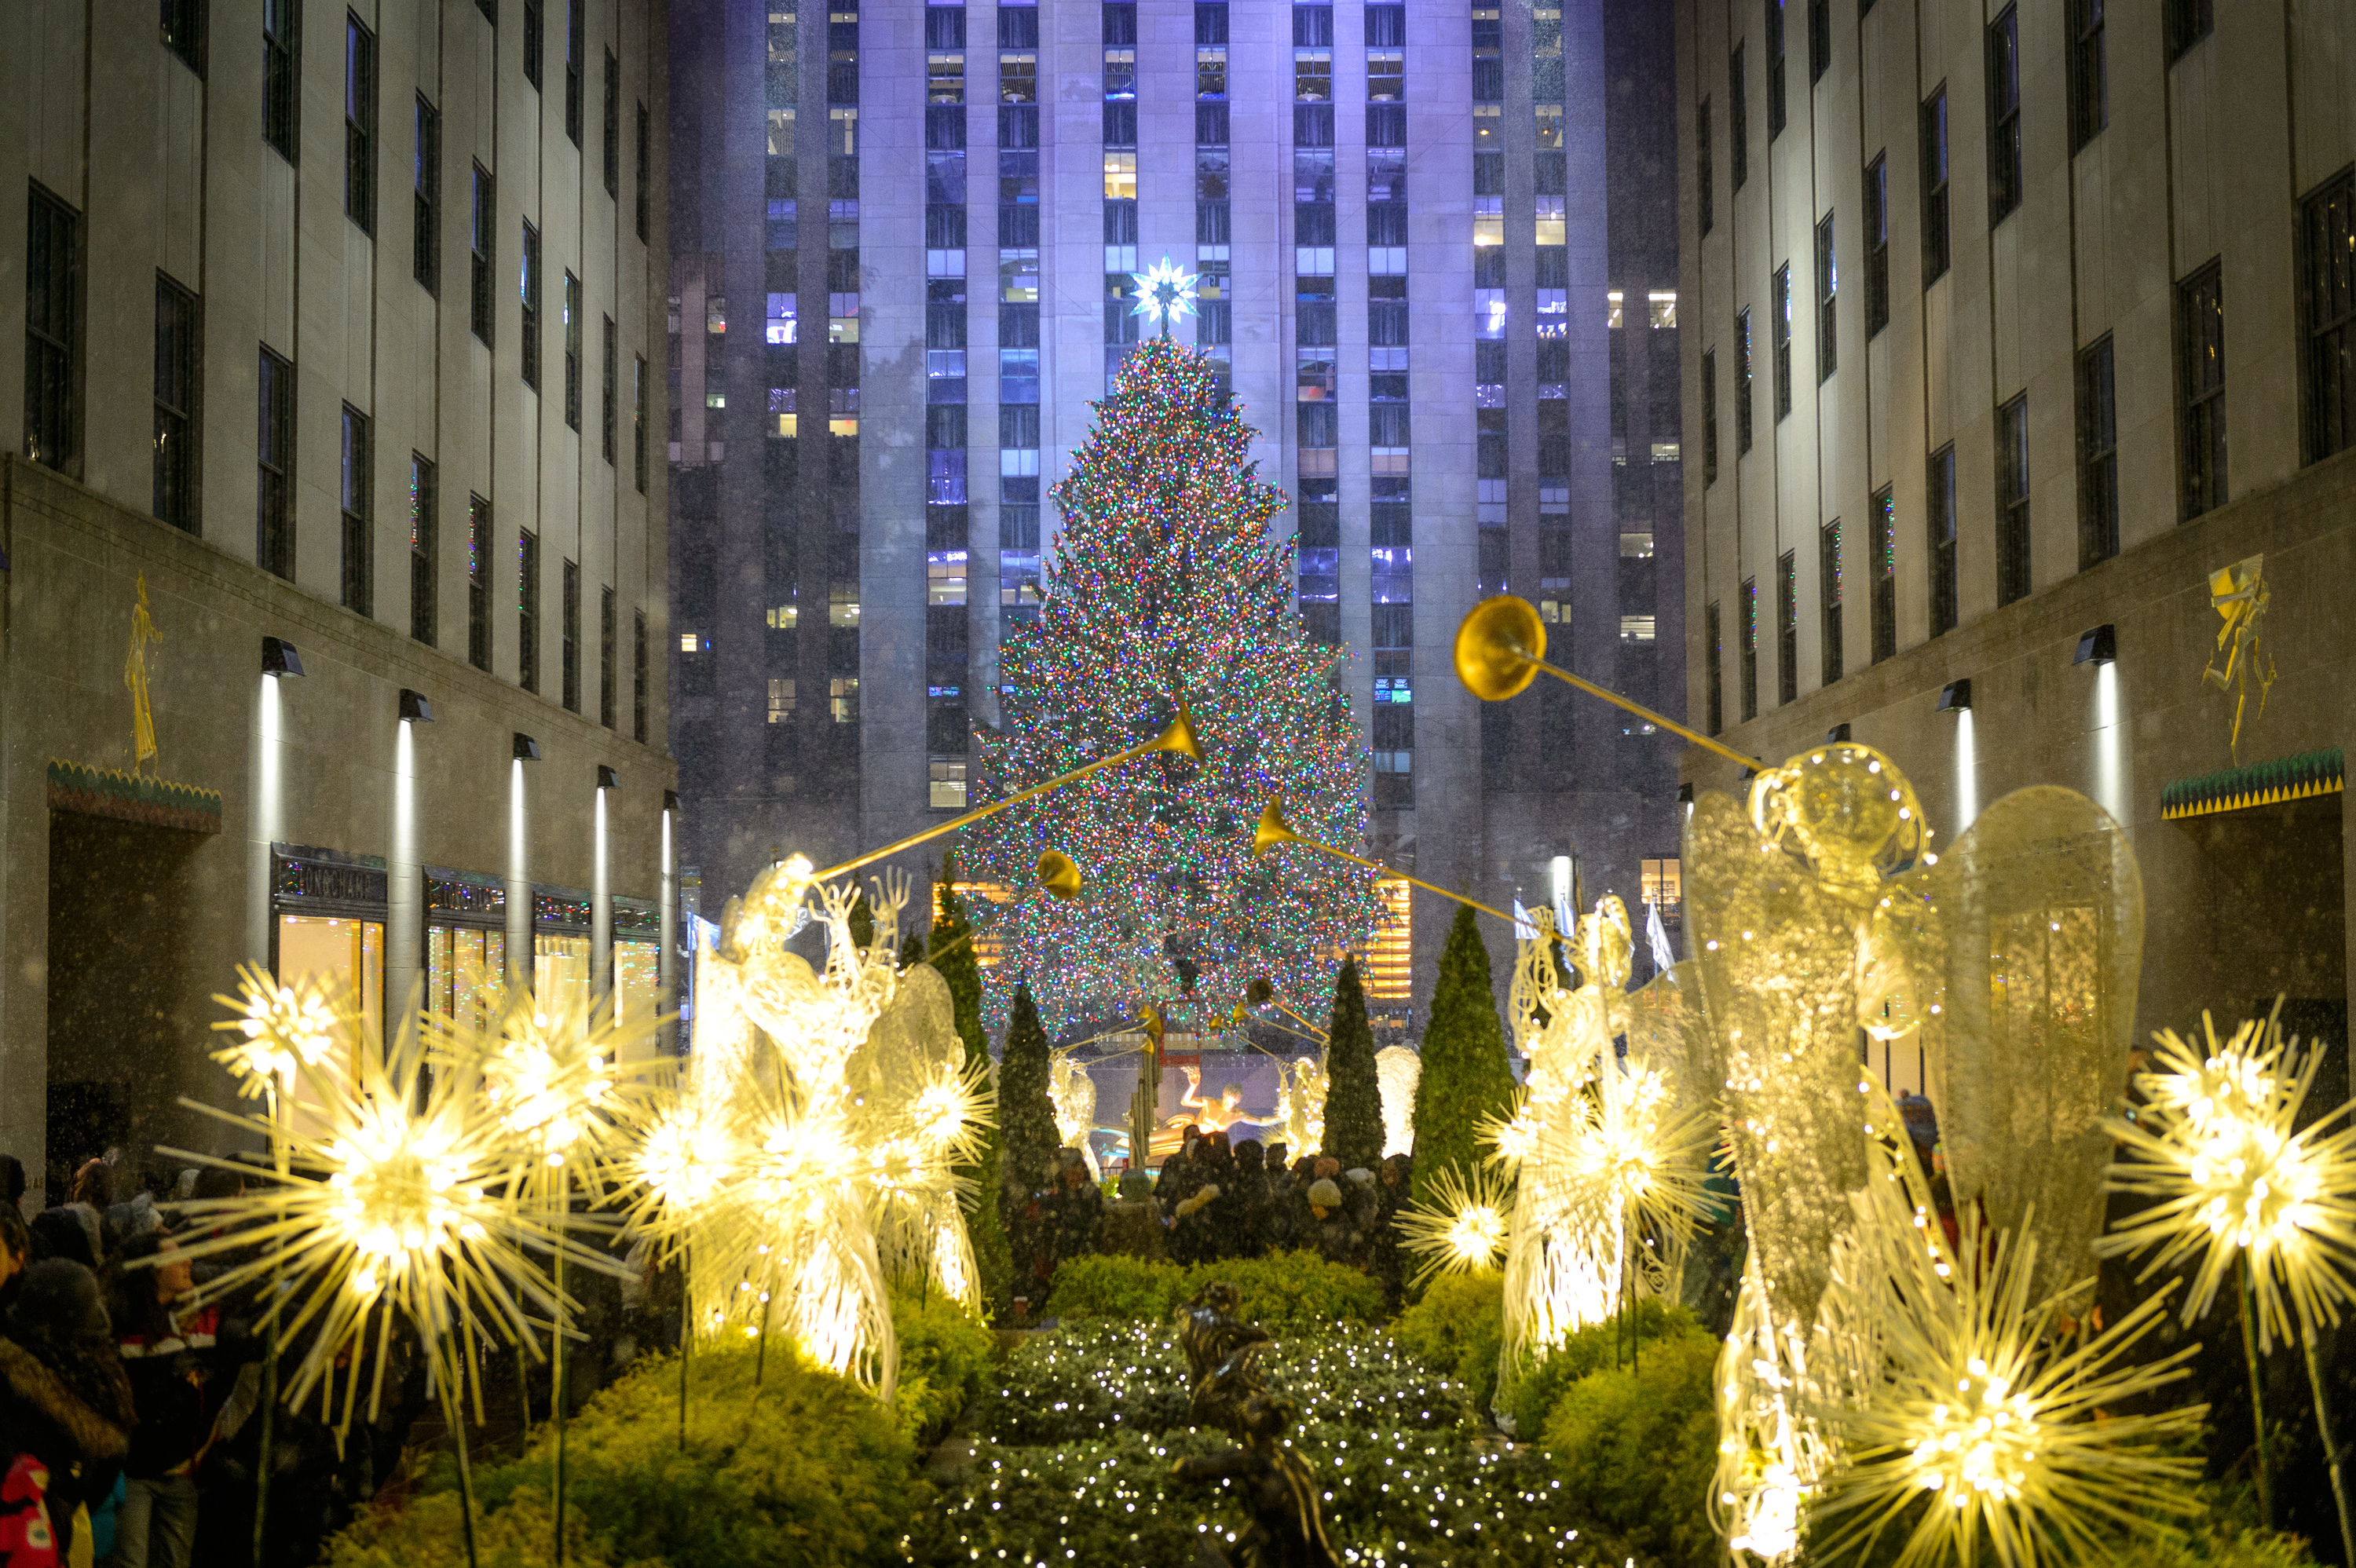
(65, 1412)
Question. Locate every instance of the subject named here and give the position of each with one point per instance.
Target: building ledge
(130, 797)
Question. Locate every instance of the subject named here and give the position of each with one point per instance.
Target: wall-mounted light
(2100, 646)
(279, 658)
(607, 778)
(526, 750)
(1837, 736)
(671, 800)
(1684, 795)
(1957, 697)
(414, 707)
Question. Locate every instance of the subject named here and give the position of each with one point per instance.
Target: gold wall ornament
(134, 677)
(1501, 648)
(2240, 596)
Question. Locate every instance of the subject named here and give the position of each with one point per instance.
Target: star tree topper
(1166, 293)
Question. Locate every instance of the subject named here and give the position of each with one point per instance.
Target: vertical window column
(2012, 565)
(1492, 452)
(2200, 387)
(948, 534)
(1390, 513)
(1316, 420)
(178, 353)
(358, 533)
(2098, 455)
(842, 373)
(53, 285)
(274, 450)
(1018, 314)
(1828, 599)
(478, 583)
(424, 550)
(1939, 522)
(1881, 567)
(1213, 288)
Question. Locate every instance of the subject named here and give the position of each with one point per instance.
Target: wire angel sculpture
(1607, 1149)
(851, 1105)
(1300, 1102)
(1072, 1094)
(1824, 927)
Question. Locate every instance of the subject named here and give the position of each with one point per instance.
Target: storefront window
(345, 952)
(464, 970)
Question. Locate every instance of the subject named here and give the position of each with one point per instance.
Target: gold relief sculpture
(2240, 596)
(135, 677)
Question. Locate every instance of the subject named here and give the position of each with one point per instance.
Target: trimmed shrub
(1532, 1386)
(813, 1471)
(945, 1355)
(1637, 1447)
(1354, 1091)
(1026, 1117)
(1460, 1325)
(1281, 1291)
(1466, 1078)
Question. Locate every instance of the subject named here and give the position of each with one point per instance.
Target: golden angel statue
(135, 677)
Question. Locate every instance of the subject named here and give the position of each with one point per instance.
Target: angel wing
(2043, 911)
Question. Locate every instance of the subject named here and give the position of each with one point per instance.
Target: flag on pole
(1657, 934)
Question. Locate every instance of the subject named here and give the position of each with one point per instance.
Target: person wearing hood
(66, 1411)
(1329, 1229)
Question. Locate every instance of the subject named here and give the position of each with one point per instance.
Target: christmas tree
(1466, 1078)
(1353, 1092)
(951, 949)
(1164, 589)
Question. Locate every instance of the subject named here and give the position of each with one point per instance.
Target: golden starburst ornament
(2233, 1177)
(1461, 1226)
(278, 1029)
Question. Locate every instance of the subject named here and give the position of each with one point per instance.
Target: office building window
(478, 583)
(281, 37)
(2090, 91)
(1882, 568)
(638, 421)
(2098, 456)
(1738, 120)
(1827, 289)
(2327, 303)
(53, 283)
(1787, 627)
(572, 51)
(1746, 651)
(1939, 520)
(569, 648)
(1828, 598)
(638, 678)
(528, 292)
(2012, 570)
(531, 41)
(1820, 39)
(184, 32)
(1779, 322)
(2189, 22)
(1712, 687)
(179, 354)
(1710, 417)
(1935, 187)
(572, 351)
(605, 405)
(2200, 387)
(638, 183)
(610, 144)
(1704, 196)
(2004, 114)
(606, 633)
(274, 449)
(359, 125)
(1775, 105)
(425, 534)
(1876, 244)
(528, 610)
(480, 246)
(425, 227)
(1741, 382)
(358, 543)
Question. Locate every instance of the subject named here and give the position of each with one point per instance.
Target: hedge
(1283, 1290)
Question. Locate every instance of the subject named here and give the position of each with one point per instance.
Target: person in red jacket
(169, 1356)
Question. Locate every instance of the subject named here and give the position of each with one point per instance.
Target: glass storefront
(563, 959)
(465, 947)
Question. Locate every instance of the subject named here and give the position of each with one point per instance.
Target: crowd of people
(1217, 1198)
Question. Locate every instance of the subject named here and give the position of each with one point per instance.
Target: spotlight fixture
(526, 750)
(671, 800)
(279, 658)
(414, 707)
(2100, 646)
(1684, 795)
(607, 778)
(1837, 736)
(1956, 697)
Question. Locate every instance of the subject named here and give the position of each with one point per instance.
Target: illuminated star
(1165, 292)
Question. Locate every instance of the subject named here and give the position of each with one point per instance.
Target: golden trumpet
(1178, 736)
(1501, 647)
(1060, 875)
(1274, 831)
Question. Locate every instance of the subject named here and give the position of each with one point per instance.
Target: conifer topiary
(1026, 1116)
(1353, 1094)
(1466, 1078)
(951, 949)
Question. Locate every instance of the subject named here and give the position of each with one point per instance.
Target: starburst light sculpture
(1462, 1227)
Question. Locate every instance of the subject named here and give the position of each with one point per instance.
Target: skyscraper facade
(1409, 259)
